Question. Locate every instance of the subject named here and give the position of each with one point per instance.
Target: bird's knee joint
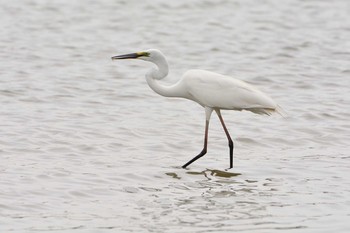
(230, 144)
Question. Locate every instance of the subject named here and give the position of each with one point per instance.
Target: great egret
(211, 90)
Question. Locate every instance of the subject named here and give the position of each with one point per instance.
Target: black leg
(230, 142)
(204, 151)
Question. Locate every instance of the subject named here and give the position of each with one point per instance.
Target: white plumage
(214, 90)
(211, 90)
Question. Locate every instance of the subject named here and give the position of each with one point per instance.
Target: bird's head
(146, 55)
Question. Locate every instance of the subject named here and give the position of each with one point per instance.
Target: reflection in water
(213, 198)
(173, 175)
(223, 174)
(223, 198)
(208, 173)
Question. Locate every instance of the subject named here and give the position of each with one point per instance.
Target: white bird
(211, 90)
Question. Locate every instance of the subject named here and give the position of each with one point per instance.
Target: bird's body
(214, 90)
(211, 90)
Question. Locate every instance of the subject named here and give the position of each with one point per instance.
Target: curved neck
(155, 74)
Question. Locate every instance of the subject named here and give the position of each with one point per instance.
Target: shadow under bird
(213, 91)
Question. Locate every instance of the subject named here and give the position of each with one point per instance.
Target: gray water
(86, 146)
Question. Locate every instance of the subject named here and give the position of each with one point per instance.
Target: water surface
(86, 146)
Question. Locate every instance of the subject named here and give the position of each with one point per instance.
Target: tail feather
(268, 111)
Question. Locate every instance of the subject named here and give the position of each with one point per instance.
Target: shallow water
(86, 146)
